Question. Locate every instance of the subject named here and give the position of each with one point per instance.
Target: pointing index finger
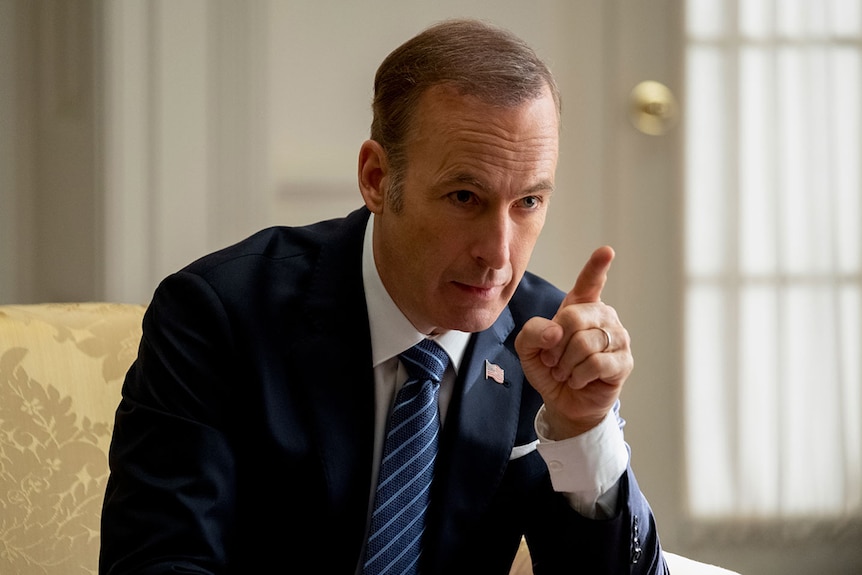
(588, 287)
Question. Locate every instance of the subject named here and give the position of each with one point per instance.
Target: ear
(373, 172)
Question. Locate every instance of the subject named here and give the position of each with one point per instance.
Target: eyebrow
(465, 178)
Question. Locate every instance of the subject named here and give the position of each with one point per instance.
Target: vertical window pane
(706, 163)
(846, 17)
(708, 452)
(819, 149)
(759, 419)
(757, 249)
(810, 401)
(756, 18)
(846, 122)
(851, 371)
(798, 18)
(790, 144)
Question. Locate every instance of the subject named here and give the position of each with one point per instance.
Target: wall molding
(185, 135)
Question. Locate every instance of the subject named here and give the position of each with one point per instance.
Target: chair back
(61, 372)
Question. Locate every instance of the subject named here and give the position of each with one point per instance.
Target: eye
(463, 197)
(531, 202)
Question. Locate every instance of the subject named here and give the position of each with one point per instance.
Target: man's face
(475, 193)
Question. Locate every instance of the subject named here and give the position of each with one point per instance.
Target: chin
(474, 322)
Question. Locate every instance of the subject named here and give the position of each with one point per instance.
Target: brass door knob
(653, 108)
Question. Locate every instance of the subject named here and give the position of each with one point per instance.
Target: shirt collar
(391, 331)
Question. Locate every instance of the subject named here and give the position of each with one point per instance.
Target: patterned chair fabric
(61, 370)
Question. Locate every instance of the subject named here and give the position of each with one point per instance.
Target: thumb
(588, 287)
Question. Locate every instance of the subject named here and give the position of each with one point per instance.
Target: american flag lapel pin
(493, 371)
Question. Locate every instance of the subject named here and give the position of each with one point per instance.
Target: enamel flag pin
(493, 371)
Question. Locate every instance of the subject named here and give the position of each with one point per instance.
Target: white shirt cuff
(587, 467)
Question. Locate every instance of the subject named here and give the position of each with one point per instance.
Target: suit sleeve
(563, 541)
(169, 501)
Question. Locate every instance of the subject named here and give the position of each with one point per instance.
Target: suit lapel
(478, 440)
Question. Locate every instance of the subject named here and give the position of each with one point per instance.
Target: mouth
(481, 291)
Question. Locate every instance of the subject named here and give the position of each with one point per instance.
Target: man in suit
(252, 425)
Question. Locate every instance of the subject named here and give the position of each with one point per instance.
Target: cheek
(440, 245)
(424, 256)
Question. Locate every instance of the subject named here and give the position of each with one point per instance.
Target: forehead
(452, 131)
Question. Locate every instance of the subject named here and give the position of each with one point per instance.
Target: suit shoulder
(277, 243)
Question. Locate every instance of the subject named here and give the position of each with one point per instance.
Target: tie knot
(425, 360)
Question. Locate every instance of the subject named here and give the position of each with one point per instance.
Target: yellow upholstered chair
(61, 370)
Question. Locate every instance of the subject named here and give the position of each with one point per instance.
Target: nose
(493, 240)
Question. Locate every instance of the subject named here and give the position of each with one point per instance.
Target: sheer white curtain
(773, 255)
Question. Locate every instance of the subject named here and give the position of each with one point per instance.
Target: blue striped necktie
(407, 467)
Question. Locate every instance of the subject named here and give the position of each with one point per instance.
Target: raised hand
(578, 360)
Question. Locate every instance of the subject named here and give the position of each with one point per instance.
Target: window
(773, 253)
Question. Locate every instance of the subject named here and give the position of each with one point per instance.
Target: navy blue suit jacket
(243, 442)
